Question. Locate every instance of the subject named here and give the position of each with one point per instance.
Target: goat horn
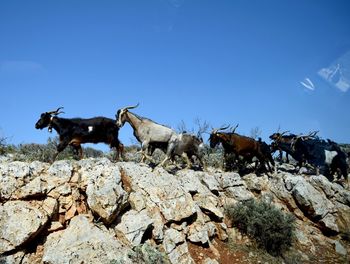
(56, 112)
(313, 134)
(131, 107)
(285, 132)
(234, 129)
(221, 128)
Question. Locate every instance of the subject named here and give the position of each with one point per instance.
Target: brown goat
(242, 146)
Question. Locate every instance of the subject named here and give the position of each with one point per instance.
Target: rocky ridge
(96, 211)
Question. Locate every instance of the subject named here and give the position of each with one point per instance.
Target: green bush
(41, 152)
(268, 225)
(147, 254)
(45, 152)
(2, 145)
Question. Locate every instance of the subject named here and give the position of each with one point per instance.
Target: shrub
(213, 157)
(269, 226)
(45, 152)
(147, 254)
(41, 152)
(2, 145)
(92, 153)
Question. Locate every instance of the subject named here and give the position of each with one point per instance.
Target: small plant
(269, 226)
(2, 145)
(147, 254)
(45, 152)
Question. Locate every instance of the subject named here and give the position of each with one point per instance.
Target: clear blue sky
(257, 63)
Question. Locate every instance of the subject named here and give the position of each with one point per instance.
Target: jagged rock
(58, 177)
(49, 206)
(211, 183)
(239, 193)
(158, 225)
(198, 233)
(136, 201)
(201, 232)
(229, 179)
(209, 204)
(62, 169)
(16, 258)
(339, 248)
(55, 226)
(35, 188)
(310, 201)
(328, 224)
(17, 169)
(286, 167)
(343, 218)
(19, 223)
(343, 196)
(181, 255)
(160, 189)
(301, 238)
(333, 191)
(172, 238)
(38, 167)
(166, 209)
(255, 183)
(291, 180)
(87, 167)
(133, 226)
(13, 176)
(105, 195)
(277, 187)
(320, 182)
(222, 231)
(191, 181)
(82, 242)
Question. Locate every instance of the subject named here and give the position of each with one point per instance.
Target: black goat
(77, 131)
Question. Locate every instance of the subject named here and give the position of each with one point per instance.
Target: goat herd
(324, 156)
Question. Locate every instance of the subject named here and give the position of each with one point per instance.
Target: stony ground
(96, 211)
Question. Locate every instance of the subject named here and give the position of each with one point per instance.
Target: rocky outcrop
(97, 211)
(84, 242)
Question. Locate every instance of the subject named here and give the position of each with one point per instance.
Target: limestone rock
(211, 183)
(136, 201)
(16, 258)
(19, 223)
(239, 193)
(82, 242)
(339, 248)
(181, 255)
(311, 201)
(13, 176)
(255, 183)
(228, 179)
(35, 188)
(328, 224)
(172, 238)
(209, 204)
(105, 195)
(133, 226)
(160, 189)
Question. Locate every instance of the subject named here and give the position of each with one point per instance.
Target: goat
(240, 146)
(187, 146)
(77, 131)
(282, 142)
(147, 132)
(325, 156)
